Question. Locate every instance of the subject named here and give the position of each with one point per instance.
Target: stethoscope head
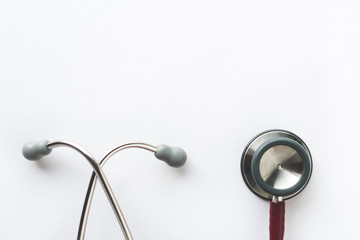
(276, 164)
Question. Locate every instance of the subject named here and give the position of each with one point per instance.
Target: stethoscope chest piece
(276, 163)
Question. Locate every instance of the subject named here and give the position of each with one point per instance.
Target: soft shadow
(47, 164)
(184, 170)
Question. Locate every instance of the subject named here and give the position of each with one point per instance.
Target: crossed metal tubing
(99, 174)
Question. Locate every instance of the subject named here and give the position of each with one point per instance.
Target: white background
(204, 75)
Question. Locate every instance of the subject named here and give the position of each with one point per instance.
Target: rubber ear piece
(35, 150)
(173, 156)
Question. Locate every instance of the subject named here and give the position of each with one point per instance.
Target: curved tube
(277, 220)
(92, 184)
(98, 173)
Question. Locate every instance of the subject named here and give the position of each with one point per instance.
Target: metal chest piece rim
(276, 163)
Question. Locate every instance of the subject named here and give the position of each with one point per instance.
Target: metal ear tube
(276, 165)
(35, 150)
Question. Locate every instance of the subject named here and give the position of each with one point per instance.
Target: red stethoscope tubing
(277, 220)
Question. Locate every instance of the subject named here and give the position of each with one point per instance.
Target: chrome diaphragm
(276, 163)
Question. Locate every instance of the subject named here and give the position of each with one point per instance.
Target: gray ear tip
(34, 150)
(178, 158)
(173, 156)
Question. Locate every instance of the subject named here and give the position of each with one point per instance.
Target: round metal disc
(281, 167)
(276, 163)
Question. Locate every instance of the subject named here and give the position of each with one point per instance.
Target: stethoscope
(173, 156)
(276, 165)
